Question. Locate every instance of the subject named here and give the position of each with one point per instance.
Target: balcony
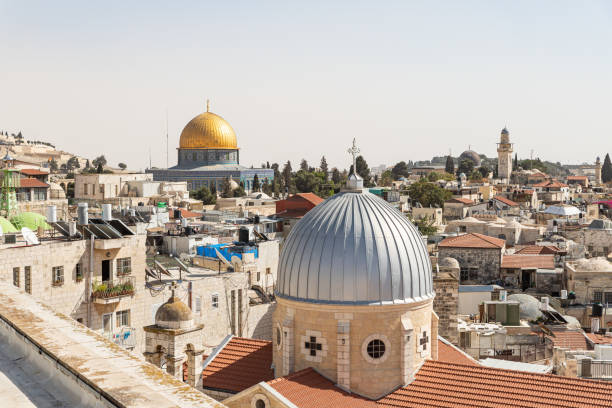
(112, 291)
(126, 337)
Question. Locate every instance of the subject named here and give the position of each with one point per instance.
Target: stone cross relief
(313, 346)
(424, 340)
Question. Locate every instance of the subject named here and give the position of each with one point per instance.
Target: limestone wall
(446, 303)
(259, 322)
(486, 261)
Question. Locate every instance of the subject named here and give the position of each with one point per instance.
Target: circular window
(376, 348)
(260, 403)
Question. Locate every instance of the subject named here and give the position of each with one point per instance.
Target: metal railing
(601, 369)
(118, 287)
(126, 337)
(521, 352)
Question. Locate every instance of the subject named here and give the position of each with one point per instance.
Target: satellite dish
(29, 236)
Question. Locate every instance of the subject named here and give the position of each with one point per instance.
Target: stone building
(208, 155)
(446, 302)
(479, 256)
(504, 157)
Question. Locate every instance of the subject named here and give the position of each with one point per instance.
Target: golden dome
(208, 131)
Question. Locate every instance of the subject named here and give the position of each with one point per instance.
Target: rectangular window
(215, 300)
(258, 277)
(590, 248)
(124, 266)
(268, 271)
(239, 306)
(198, 304)
(608, 298)
(597, 296)
(233, 311)
(107, 323)
(27, 279)
(78, 272)
(465, 274)
(473, 273)
(101, 188)
(58, 275)
(123, 318)
(16, 277)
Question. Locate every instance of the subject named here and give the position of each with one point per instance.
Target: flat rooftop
(80, 358)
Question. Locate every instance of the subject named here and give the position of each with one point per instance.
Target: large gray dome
(355, 248)
(471, 156)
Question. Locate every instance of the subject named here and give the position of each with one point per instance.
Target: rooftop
(571, 339)
(506, 201)
(538, 250)
(32, 183)
(528, 261)
(472, 240)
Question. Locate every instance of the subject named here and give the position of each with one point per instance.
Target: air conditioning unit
(10, 239)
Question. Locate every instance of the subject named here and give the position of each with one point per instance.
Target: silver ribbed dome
(355, 248)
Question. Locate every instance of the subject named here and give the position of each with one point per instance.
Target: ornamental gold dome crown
(208, 131)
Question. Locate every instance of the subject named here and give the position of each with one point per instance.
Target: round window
(260, 403)
(376, 348)
(278, 337)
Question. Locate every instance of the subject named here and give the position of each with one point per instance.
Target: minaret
(598, 172)
(504, 157)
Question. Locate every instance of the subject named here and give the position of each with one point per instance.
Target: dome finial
(354, 182)
(207, 105)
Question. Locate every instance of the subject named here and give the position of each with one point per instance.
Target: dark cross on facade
(423, 340)
(312, 345)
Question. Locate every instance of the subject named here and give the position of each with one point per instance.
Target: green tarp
(30, 220)
(6, 225)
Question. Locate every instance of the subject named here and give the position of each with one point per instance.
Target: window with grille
(16, 277)
(608, 297)
(198, 304)
(123, 318)
(473, 273)
(215, 300)
(258, 276)
(597, 296)
(465, 274)
(79, 272)
(124, 266)
(376, 348)
(27, 279)
(58, 275)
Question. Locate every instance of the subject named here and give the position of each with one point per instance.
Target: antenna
(166, 138)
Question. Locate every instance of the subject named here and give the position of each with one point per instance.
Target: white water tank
(51, 213)
(72, 228)
(563, 294)
(545, 302)
(107, 212)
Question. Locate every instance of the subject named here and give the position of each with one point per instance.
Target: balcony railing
(125, 337)
(113, 289)
(601, 369)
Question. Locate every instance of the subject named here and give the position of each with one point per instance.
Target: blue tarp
(227, 250)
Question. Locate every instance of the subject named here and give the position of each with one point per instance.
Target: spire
(354, 182)
(208, 105)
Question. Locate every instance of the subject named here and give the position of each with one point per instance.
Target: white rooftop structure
(516, 366)
(562, 210)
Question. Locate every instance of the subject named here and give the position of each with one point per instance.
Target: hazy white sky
(300, 79)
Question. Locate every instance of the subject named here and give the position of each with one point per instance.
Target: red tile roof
(551, 183)
(310, 197)
(599, 338)
(528, 261)
(451, 354)
(472, 240)
(571, 339)
(297, 213)
(578, 178)
(461, 200)
(538, 250)
(190, 214)
(240, 364)
(309, 389)
(32, 183)
(33, 172)
(446, 385)
(505, 201)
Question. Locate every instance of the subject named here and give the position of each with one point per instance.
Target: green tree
(122, 166)
(256, 183)
(386, 179)
(450, 165)
(606, 169)
(287, 178)
(239, 192)
(53, 165)
(205, 195)
(425, 225)
(466, 167)
(400, 170)
(363, 170)
(428, 194)
(324, 167)
(308, 182)
(336, 177)
(226, 188)
(515, 162)
(484, 171)
(304, 165)
(100, 160)
(87, 165)
(100, 169)
(475, 175)
(73, 163)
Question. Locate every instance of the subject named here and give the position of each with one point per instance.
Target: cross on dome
(354, 151)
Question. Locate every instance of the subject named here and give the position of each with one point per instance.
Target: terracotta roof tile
(523, 261)
(551, 183)
(447, 385)
(472, 240)
(599, 338)
(505, 201)
(451, 354)
(461, 200)
(297, 213)
(579, 178)
(571, 339)
(309, 389)
(311, 197)
(538, 250)
(32, 183)
(240, 364)
(33, 172)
